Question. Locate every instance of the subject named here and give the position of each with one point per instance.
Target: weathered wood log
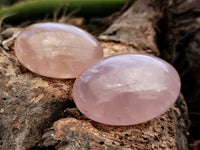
(30, 103)
(178, 40)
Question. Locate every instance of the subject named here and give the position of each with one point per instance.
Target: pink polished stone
(126, 89)
(57, 50)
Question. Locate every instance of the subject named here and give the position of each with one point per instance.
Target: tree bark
(178, 40)
(38, 112)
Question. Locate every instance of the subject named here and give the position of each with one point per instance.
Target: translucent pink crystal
(57, 50)
(126, 89)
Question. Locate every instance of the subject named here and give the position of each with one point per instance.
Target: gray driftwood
(38, 112)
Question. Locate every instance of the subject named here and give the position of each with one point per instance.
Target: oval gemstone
(57, 50)
(126, 89)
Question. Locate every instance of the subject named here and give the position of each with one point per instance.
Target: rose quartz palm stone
(126, 89)
(57, 50)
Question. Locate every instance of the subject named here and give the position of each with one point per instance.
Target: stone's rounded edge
(78, 31)
(176, 73)
(76, 95)
(55, 25)
(24, 65)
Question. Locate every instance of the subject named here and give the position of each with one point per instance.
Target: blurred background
(86, 14)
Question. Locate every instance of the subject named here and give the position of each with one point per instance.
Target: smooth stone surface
(57, 50)
(126, 89)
